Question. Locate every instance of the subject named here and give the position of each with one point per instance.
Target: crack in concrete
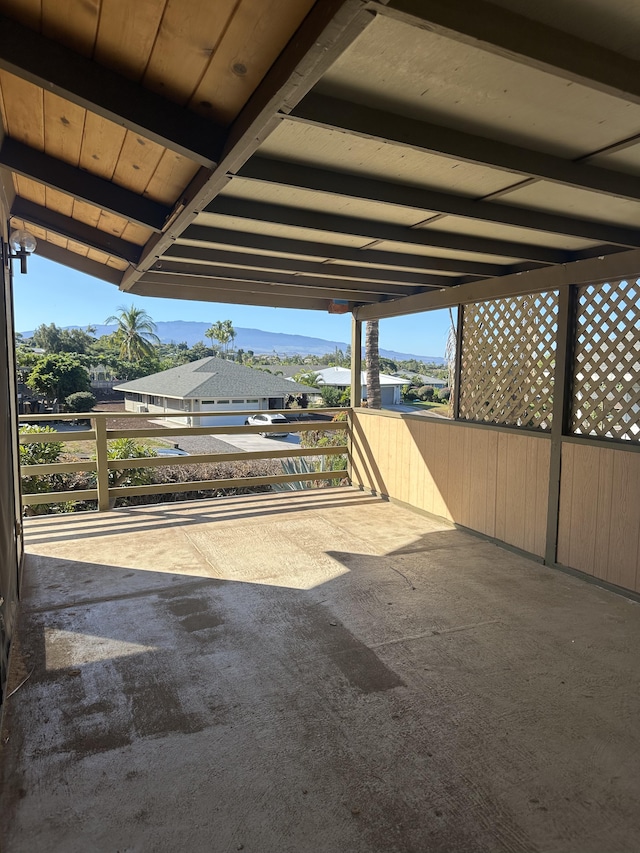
(434, 632)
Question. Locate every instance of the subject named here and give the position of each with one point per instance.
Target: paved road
(228, 443)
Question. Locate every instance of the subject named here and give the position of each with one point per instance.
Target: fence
(100, 434)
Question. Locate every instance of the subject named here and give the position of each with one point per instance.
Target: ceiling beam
(145, 287)
(53, 67)
(370, 123)
(73, 229)
(82, 185)
(405, 278)
(354, 186)
(267, 243)
(376, 230)
(609, 268)
(355, 290)
(326, 31)
(240, 289)
(78, 262)
(504, 33)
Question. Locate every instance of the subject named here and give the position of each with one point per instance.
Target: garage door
(227, 405)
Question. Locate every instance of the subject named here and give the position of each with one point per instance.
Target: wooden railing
(100, 434)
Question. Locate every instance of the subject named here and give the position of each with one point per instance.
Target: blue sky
(51, 293)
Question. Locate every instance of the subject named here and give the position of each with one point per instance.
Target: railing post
(102, 463)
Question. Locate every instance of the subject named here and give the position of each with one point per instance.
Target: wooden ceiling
(388, 155)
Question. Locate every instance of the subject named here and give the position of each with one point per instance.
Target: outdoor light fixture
(22, 244)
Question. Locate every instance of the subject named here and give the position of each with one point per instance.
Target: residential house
(208, 385)
(340, 377)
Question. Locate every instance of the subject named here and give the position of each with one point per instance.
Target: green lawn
(435, 407)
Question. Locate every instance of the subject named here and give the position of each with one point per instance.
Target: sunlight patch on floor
(65, 649)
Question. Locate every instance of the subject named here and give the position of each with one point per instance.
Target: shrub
(40, 453)
(330, 396)
(81, 401)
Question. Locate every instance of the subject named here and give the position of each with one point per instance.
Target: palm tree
(373, 366)
(136, 333)
(223, 332)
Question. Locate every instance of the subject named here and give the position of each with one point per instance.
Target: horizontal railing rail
(100, 465)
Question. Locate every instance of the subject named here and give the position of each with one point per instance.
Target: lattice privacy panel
(606, 377)
(508, 355)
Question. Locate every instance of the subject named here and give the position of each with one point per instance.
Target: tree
(47, 337)
(59, 375)
(373, 365)
(306, 378)
(136, 333)
(198, 351)
(223, 332)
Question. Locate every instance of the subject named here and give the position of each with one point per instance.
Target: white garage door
(227, 405)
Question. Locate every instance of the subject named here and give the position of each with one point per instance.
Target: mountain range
(261, 342)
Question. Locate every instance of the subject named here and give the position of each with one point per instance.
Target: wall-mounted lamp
(22, 244)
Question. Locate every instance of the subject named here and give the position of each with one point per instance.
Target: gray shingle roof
(214, 377)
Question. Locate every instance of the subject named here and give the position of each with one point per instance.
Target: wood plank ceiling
(301, 154)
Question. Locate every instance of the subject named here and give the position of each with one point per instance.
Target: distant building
(340, 377)
(209, 385)
(422, 379)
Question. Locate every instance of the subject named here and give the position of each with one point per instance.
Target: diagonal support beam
(504, 33)
(371, 123)
(266, 243)
(65, 226)
(375, 230)
(82, 185)
(327, 30)
(53, 67)
(399, 278)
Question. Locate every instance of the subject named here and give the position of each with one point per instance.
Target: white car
(267, 418)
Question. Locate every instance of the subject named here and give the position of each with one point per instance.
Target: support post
(102, 463)
(562, 378)
(356, 362)
(457, 377)
(356, 386)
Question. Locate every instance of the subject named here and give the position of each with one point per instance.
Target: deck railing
(100, 434)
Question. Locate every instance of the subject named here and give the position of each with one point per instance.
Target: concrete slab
(319, 672)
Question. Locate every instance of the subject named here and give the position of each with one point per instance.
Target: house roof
(214, 377)
(384, 156)
(342, 376)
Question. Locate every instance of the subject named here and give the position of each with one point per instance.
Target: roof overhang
(381, 157)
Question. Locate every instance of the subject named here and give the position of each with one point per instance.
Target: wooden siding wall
(599, 521)
(489, 480)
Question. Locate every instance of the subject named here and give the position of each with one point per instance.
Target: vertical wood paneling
(495, 483)
(604, 500)
(599, 521)
(625, 522)
(492, 478)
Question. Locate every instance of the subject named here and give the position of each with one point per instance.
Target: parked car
(268, 418)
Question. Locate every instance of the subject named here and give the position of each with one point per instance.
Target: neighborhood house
(209, 385)
(340, 377)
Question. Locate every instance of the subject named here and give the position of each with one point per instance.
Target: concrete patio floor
(313, 671)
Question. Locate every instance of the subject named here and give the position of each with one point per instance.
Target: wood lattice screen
(508, 355)
(606, 373)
